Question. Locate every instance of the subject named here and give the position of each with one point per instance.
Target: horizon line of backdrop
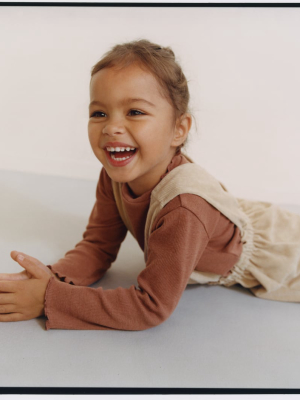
(242, 65)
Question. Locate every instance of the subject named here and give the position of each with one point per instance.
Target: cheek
(93, 134)
(165, 127)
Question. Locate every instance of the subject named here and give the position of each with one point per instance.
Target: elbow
(153, 316)
(150, 324)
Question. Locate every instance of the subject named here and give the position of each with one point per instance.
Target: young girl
(190, 228)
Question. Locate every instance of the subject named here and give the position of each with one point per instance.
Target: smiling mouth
(121, 153)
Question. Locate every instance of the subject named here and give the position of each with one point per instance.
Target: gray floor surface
(216, 338)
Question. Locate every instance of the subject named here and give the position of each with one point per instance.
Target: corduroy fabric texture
(270, 261)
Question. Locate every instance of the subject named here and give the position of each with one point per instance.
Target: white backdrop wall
(243, 69)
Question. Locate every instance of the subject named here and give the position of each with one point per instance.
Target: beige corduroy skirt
(270, 262)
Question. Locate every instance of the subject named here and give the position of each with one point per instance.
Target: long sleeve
(93, 255)
(177, 241)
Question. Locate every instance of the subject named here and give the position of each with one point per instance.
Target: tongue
(121, 154)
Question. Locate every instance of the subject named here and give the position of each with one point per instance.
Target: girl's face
(127, 110)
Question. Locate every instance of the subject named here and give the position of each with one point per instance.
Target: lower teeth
(119, 159)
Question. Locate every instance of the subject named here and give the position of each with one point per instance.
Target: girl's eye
(135, 112)
(98, 114)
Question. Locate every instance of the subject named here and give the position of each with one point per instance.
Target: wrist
(53, 273)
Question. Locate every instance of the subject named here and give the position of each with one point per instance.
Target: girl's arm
(175, 247)
(92, 256)
(22, 295)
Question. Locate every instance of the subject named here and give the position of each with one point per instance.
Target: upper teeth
(119, 148)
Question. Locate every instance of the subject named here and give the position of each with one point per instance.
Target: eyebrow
(124, 102)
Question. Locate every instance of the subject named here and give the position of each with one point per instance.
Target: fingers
(6, 298)
(31, 264)
(14, 254)
(7, 277)
(13, 317)
(8, 286)
(25, 298)
(7, 308)
(19, 276)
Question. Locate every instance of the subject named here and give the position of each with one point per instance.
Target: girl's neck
(141, 191)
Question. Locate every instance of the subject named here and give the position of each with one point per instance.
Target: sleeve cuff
(62, 278)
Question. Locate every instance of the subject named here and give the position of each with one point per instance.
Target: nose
(113, 127)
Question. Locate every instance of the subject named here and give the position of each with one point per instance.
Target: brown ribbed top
(187, 234)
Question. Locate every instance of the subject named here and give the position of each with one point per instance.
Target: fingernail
(20, 257)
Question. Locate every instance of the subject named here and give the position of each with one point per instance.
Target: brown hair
(160, 61)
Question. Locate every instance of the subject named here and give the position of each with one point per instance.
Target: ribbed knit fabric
(188, 234)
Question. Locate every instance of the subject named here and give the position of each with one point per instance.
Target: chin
(116, 176)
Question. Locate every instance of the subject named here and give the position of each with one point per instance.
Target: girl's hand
(19, 276)
(22, 296)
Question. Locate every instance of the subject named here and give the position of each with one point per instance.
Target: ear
(182, 128)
